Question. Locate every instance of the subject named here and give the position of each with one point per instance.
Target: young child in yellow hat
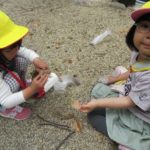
(127, 117)
(13, 65)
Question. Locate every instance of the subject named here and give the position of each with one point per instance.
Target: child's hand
(89, 106)
(39, 82)
(40, 64)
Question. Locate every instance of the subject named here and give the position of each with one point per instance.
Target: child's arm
(9, 99)
(32, 56)
(117, 102)
(27, 53)
(113, 79)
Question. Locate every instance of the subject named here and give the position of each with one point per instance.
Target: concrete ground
(60, 32)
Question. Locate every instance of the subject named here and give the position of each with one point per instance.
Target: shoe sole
(11, 117)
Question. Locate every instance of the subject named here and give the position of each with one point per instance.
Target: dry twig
(63, 141)
(65, 127)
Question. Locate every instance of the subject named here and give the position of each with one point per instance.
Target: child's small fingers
(83, 107)
(37, 77)
(46, 76)
(84, 110)
(44, 79)
(86, 103)
(43, 76)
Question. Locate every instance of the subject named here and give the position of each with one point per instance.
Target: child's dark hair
(130, 35)
(18, 43)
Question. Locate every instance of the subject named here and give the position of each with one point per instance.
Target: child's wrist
(95, 103)
(32, 90)
(28, 92)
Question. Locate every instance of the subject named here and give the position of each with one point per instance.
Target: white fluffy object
(65, 80)
(103, 80)
(100, 37)
(52, 80)
(60, 83)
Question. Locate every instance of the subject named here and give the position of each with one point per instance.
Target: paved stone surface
(60, 31)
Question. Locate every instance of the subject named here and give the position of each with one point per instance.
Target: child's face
(10, 53)
(142, 39)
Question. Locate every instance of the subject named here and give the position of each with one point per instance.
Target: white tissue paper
(100, 37)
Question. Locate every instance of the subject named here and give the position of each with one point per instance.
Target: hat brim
(140, 12)
(17, 33)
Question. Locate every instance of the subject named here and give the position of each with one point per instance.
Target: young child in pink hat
(125, 117)
(14, 60)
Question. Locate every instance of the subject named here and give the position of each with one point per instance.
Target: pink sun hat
(141, 11)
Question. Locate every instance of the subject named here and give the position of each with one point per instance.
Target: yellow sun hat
(9, 31)
(141, 11)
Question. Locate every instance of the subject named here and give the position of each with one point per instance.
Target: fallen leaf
(76, 104)
(46, 29)
(87, 68)
(58, 73)
(57, 70)
(77, 126)
(31, 34)
(45, 72)
(69, 61)
(37, 24)
(75, 75)
(121, 14)
(60, 43)
(124, 31)
(35, 73)
(78, 58)
(70, 37)
(76, 81)
(57, 47)
(50, 32)
(99, 137)
(53, 63)
(67, 117)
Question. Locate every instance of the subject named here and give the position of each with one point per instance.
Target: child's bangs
(145, 17)
(18, 43)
